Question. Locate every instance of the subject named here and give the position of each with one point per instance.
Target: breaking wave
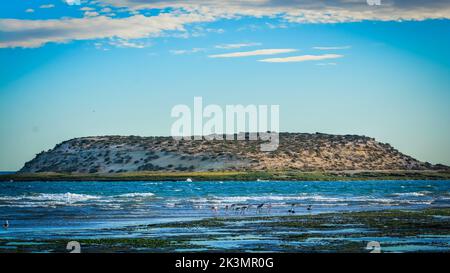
(67, 199)
(303, 199)
(137, 194)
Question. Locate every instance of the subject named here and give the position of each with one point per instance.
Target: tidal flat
(225, 216)
(426, 230)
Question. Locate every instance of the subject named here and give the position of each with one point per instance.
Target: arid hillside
(297, 151)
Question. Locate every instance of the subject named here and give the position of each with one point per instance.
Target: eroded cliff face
(296, 151)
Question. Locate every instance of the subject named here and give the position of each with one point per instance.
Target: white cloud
(35, 33)
(199, 31)
(331, 47)
(49, 6)
(73, 2)
(305, 11)
(187, 51)
(235, 46)
(275, 26)
(126, 43)
(302, 58)
(29, 10)
(86, 9)
(177, 14)
(106, 10)
(258, 52)
(91, 13)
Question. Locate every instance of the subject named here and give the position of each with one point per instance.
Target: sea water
(39, 210)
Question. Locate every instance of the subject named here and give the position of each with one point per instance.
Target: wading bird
(244, 208)
(259, 208)
(214, 208)
(292, 211)
(6, 224)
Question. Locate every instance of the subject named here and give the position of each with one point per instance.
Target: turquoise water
(39, 210)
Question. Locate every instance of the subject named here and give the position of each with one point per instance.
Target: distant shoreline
(287, 175)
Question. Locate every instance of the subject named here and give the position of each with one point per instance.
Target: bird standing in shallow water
(292, 211)
(244, 208)
(309, 207)
(259, 208)
(6, 224)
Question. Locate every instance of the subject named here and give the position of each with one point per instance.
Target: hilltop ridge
(296, 151)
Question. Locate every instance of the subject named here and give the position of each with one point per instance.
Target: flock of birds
(243, 208)
(233, 207)
(259, 208)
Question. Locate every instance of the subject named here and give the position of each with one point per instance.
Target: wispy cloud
(87, 9)
(275, 26)
(186, 51)
(302, 58)
(29, 10)
(235, 46)
(176, 15)
(91, 13)
(106, 10)
(326, 64)
(305, 11)
(126, 43)
(120, 43)
(48, 6)
(331, 47)
(35, 33)
(253, 53)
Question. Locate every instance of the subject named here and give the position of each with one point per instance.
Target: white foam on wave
(47, 199)
(58, 197)
(286, 198)
(412, 194)
(136, 194)
(69, 199)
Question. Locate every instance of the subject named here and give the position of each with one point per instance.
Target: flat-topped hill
(296, 151)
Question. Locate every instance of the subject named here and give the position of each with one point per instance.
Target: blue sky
(119, 66)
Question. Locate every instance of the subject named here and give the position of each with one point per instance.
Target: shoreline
(422, 230)
(287, 175)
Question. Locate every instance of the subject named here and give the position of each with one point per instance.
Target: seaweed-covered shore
(425, 230)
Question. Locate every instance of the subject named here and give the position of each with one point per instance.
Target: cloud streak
(302, 58)
(331, 47)
(187, 51)
(236, 46)
(258, 52)
(35, 33)
(178, 14)
(305, 11)
(49, 6)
